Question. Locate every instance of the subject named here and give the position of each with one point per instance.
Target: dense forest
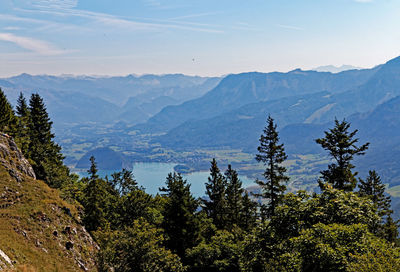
(347, 226)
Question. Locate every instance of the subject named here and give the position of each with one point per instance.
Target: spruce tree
(234, 197)
(215, 205)
(22, 106)
(7, 117)
(341, 145)
(22, 133)
(44, 154)
(248, 216)
(374, 189)
(95, 199)
(180, 221)
(272, 155)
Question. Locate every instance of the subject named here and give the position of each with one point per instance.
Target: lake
(153, 175)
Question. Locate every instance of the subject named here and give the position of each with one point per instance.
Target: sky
(195, 37)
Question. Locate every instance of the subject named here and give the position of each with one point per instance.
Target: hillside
(38, 230)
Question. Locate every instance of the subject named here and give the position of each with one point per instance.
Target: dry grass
(27, 228)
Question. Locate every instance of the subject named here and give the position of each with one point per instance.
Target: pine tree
(272, 155)
(94, 200)
(215, 205)
(373, 188)
(234, 197)
(248, 215)
(341, 145)
(22, 106)
(7, 117)
(44, 154)
(180, 222)
(22, 134)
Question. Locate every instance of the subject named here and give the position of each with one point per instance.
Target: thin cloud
(12, 28)
(290, 27)
(34, 45)
(55, 4)
(107, 19)
(364, 1)
(41, 25)
(196, 15)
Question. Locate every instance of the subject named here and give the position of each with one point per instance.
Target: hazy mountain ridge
(317, 108)
(238, 90)
(76, 100)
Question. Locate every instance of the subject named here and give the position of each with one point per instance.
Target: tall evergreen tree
(22, 106)
(215, 205)
(180, 222)
(373, 188)
(44, 154)
(341, 145)
(248, 215)
(272, 155)
(94, 200)
(7, 117)
(234, 197)
(22, 133)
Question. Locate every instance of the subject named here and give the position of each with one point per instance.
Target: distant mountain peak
(335, 69)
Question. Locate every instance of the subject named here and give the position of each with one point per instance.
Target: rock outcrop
(11, 158)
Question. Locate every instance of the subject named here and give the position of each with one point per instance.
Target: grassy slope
(27, 228)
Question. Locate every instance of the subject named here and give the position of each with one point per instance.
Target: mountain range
(87, 99)
(158, 117)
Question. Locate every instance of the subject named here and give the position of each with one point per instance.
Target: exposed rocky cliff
(38, 230)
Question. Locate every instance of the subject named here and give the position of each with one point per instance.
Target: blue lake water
(153, 175)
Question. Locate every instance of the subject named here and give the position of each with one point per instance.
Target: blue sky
(202, 37)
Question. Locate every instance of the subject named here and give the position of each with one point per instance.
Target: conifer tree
(248, 216)
(272, 155)
(22, 106)
(391, 230)
(373, 188)
(234, 197)
(341, 145)
(216, 206)
(22, 134)
(94, 201)
(44, 154)
(7, 117)
(180, 222)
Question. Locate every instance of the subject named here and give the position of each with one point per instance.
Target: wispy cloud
(12, 28)
(132, 24)
(54, 4)
(34, 45)
(290, 27)
(195, 15)
(39, 24)
(364, 1)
